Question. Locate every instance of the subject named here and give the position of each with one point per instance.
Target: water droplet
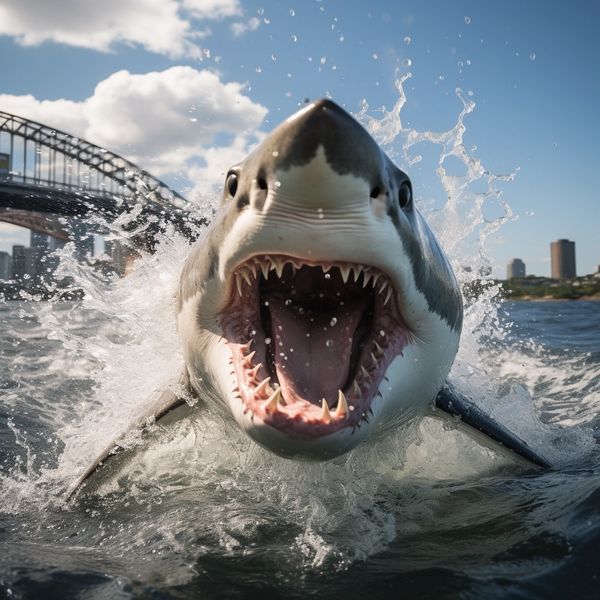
(341, 38)
(193, 120)
(320, 213)
(277, 184)
(253, 332)
(332, 322)
(288, 302)
(329, 343)
(258, 69)
(275, 153)
(407, 40)
(323, 60)
(327, 275)
(266, 303)
(292, 12)
(406, 62)
(294, 38)
(382, 333)
(532, 56)
(267, 341)
(468, 20)
(273, 57)
(267, 20)
(375, 56)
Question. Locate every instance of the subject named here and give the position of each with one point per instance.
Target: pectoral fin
(475, 422)
(156, 407)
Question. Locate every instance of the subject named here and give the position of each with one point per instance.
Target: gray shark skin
(319, 307)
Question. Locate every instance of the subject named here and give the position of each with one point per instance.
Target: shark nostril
(375, 192)
(262, 183)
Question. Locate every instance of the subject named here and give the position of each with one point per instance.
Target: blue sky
(531, 67)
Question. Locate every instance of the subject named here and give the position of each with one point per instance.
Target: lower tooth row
(275, 401)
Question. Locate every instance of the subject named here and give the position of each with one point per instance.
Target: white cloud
(239, 28)
(162, 26)
(175, 122)
(213, 9)
(62, 114)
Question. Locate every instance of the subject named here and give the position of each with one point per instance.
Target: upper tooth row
(273, 263)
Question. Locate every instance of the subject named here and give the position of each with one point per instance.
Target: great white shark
(319, 306)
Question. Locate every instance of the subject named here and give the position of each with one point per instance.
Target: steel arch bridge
(46, 173)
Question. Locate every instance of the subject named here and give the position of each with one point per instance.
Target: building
(18, 262)
(562, 254)
(27, 265)
(45, 247)
(515, 268)
(5, 265)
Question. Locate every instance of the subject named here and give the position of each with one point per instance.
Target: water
(199, 510)
(195, 509)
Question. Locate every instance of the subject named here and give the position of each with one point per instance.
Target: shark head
(318, 307)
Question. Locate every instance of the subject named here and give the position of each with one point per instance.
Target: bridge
(47, 175)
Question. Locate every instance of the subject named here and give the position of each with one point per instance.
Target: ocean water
(193, 508)
(197, 510)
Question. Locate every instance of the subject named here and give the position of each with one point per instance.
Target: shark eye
(231, 184)
(375, 192)
(405, 196)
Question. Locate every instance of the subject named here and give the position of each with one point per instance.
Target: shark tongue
(312, 350)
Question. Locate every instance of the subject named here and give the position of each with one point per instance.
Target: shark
(319, 307)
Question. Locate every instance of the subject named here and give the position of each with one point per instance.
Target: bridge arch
(50, 172)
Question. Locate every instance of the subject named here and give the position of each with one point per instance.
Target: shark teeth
(342, 406)
(248, 273)
(325, 414)
(272, 403)
(260, 391)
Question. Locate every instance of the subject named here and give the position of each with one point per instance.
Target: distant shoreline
(594, 298)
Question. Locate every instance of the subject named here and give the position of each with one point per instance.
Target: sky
(185, 88)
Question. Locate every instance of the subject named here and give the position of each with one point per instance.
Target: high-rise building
(27, 266)
(515, 268)
(5, 265)
(562, 254)
(18, 262)
(43, 248)
(34, 267)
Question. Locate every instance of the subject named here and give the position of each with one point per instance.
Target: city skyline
(214, 76)
(562, 258)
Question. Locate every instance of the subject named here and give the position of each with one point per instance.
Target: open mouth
(311, 342)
